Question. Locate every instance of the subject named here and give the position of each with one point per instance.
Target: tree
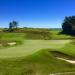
(13, 25)
(10, 27)
(68, 25)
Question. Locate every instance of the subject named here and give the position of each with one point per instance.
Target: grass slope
(55, 34)
(69, 48)
(40, 63)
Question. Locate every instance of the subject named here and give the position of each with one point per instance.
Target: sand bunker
(12, 43)
(62, 56)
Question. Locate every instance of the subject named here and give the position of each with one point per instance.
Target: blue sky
(36, 13)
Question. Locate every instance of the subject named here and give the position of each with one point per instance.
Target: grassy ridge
(35, 34)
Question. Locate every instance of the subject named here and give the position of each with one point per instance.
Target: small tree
(13, 25)
(10, 26)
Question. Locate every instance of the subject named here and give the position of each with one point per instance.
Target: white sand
(68, 60)
(12, 43)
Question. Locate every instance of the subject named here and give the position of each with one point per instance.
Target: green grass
(34, 34)
(12, 36)
(55, 35)
(69, 48)
(40, 63)
(33, 57)
(30, 47)
(5, 38)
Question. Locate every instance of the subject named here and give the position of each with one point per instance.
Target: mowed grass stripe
(30, 47)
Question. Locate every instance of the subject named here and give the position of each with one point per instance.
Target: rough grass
(34, 34)
(11, 36)
(55, 34)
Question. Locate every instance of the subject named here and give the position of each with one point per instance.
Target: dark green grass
(35, 35)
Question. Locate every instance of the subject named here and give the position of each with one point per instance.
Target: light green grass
(30, 47)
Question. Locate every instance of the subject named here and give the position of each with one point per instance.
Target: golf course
(37, 37)
(30, 52)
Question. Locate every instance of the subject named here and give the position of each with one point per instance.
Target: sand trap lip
(62, 56)
(65, 73)
(67, 60)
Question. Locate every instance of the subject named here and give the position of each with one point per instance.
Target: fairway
(30, 47)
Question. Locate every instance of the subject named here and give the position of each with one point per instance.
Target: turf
(33, 57)
(30, 47)
(40, 63)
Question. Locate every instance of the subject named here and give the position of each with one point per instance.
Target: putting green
(31, 46)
